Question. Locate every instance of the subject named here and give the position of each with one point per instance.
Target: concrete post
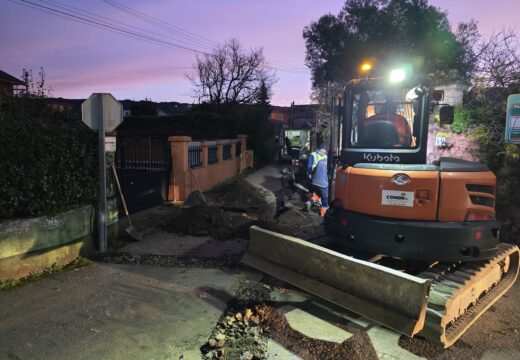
(234, 155)
(220, 151)
(180, 177)
(243, 142)
(234, 148)
(204, 153)
(243, 149)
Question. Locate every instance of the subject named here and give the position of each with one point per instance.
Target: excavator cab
(379, 121)
(383, 120)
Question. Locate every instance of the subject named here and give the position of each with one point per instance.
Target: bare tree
(35, 87)
(322, 125)
(498, 60)
(231, 75)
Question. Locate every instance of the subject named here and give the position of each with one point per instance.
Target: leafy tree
(231, 75)
(468, 37)
(388, 31)
(263, 95)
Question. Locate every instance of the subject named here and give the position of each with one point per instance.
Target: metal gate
(144, 169)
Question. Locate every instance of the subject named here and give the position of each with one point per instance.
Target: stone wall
(442, 142)
(28, 246)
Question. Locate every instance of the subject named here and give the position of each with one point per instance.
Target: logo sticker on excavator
(389, 158)
(397, 198)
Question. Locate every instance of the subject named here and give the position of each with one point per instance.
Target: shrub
(48, 159)
(253, 121)
(461, 120)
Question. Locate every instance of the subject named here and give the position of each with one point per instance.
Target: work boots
(323, 211)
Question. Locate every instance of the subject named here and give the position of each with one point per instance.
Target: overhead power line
(114, 22)
(190, 42)
(169, 27)
(117, 29)
(162, 24)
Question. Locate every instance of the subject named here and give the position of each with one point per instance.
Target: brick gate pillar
(204, 153)
(243, 142)
(180, 177)
(243, 149)
(220, 151)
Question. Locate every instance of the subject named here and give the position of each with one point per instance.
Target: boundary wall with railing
(200, 165)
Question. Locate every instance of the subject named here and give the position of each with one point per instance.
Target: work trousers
(323, 193)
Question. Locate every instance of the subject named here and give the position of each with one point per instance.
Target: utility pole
(291, 115)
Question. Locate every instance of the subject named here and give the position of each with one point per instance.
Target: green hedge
(48, 159)
(253, 121)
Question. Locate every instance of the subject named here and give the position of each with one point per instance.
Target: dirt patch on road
(227, 262)
(277, 328)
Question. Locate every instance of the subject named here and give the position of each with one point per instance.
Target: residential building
(9, 84)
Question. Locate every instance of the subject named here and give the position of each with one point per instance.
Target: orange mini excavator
(420, 243)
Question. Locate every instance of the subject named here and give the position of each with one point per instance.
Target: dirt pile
(211, 220)
(240, 194)
(231, 209)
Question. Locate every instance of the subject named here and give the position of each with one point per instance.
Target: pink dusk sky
(81, 59)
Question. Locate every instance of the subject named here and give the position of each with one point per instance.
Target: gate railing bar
(212, 153)
(194, 154)
(226, 151)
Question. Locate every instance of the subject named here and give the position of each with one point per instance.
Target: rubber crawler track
(448, 281)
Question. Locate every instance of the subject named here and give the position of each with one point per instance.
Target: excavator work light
(397, 75)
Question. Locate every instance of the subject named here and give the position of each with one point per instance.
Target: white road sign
(102, 106)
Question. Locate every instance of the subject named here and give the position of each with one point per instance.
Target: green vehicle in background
(293, 139)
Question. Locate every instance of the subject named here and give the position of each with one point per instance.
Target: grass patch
(53, 269)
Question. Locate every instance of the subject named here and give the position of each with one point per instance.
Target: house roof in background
(6, 78)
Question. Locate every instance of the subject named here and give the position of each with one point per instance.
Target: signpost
(513, 119)
(102, 112)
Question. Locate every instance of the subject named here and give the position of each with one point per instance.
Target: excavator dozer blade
(389, 297)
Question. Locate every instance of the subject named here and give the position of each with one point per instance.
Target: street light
(365, 68)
